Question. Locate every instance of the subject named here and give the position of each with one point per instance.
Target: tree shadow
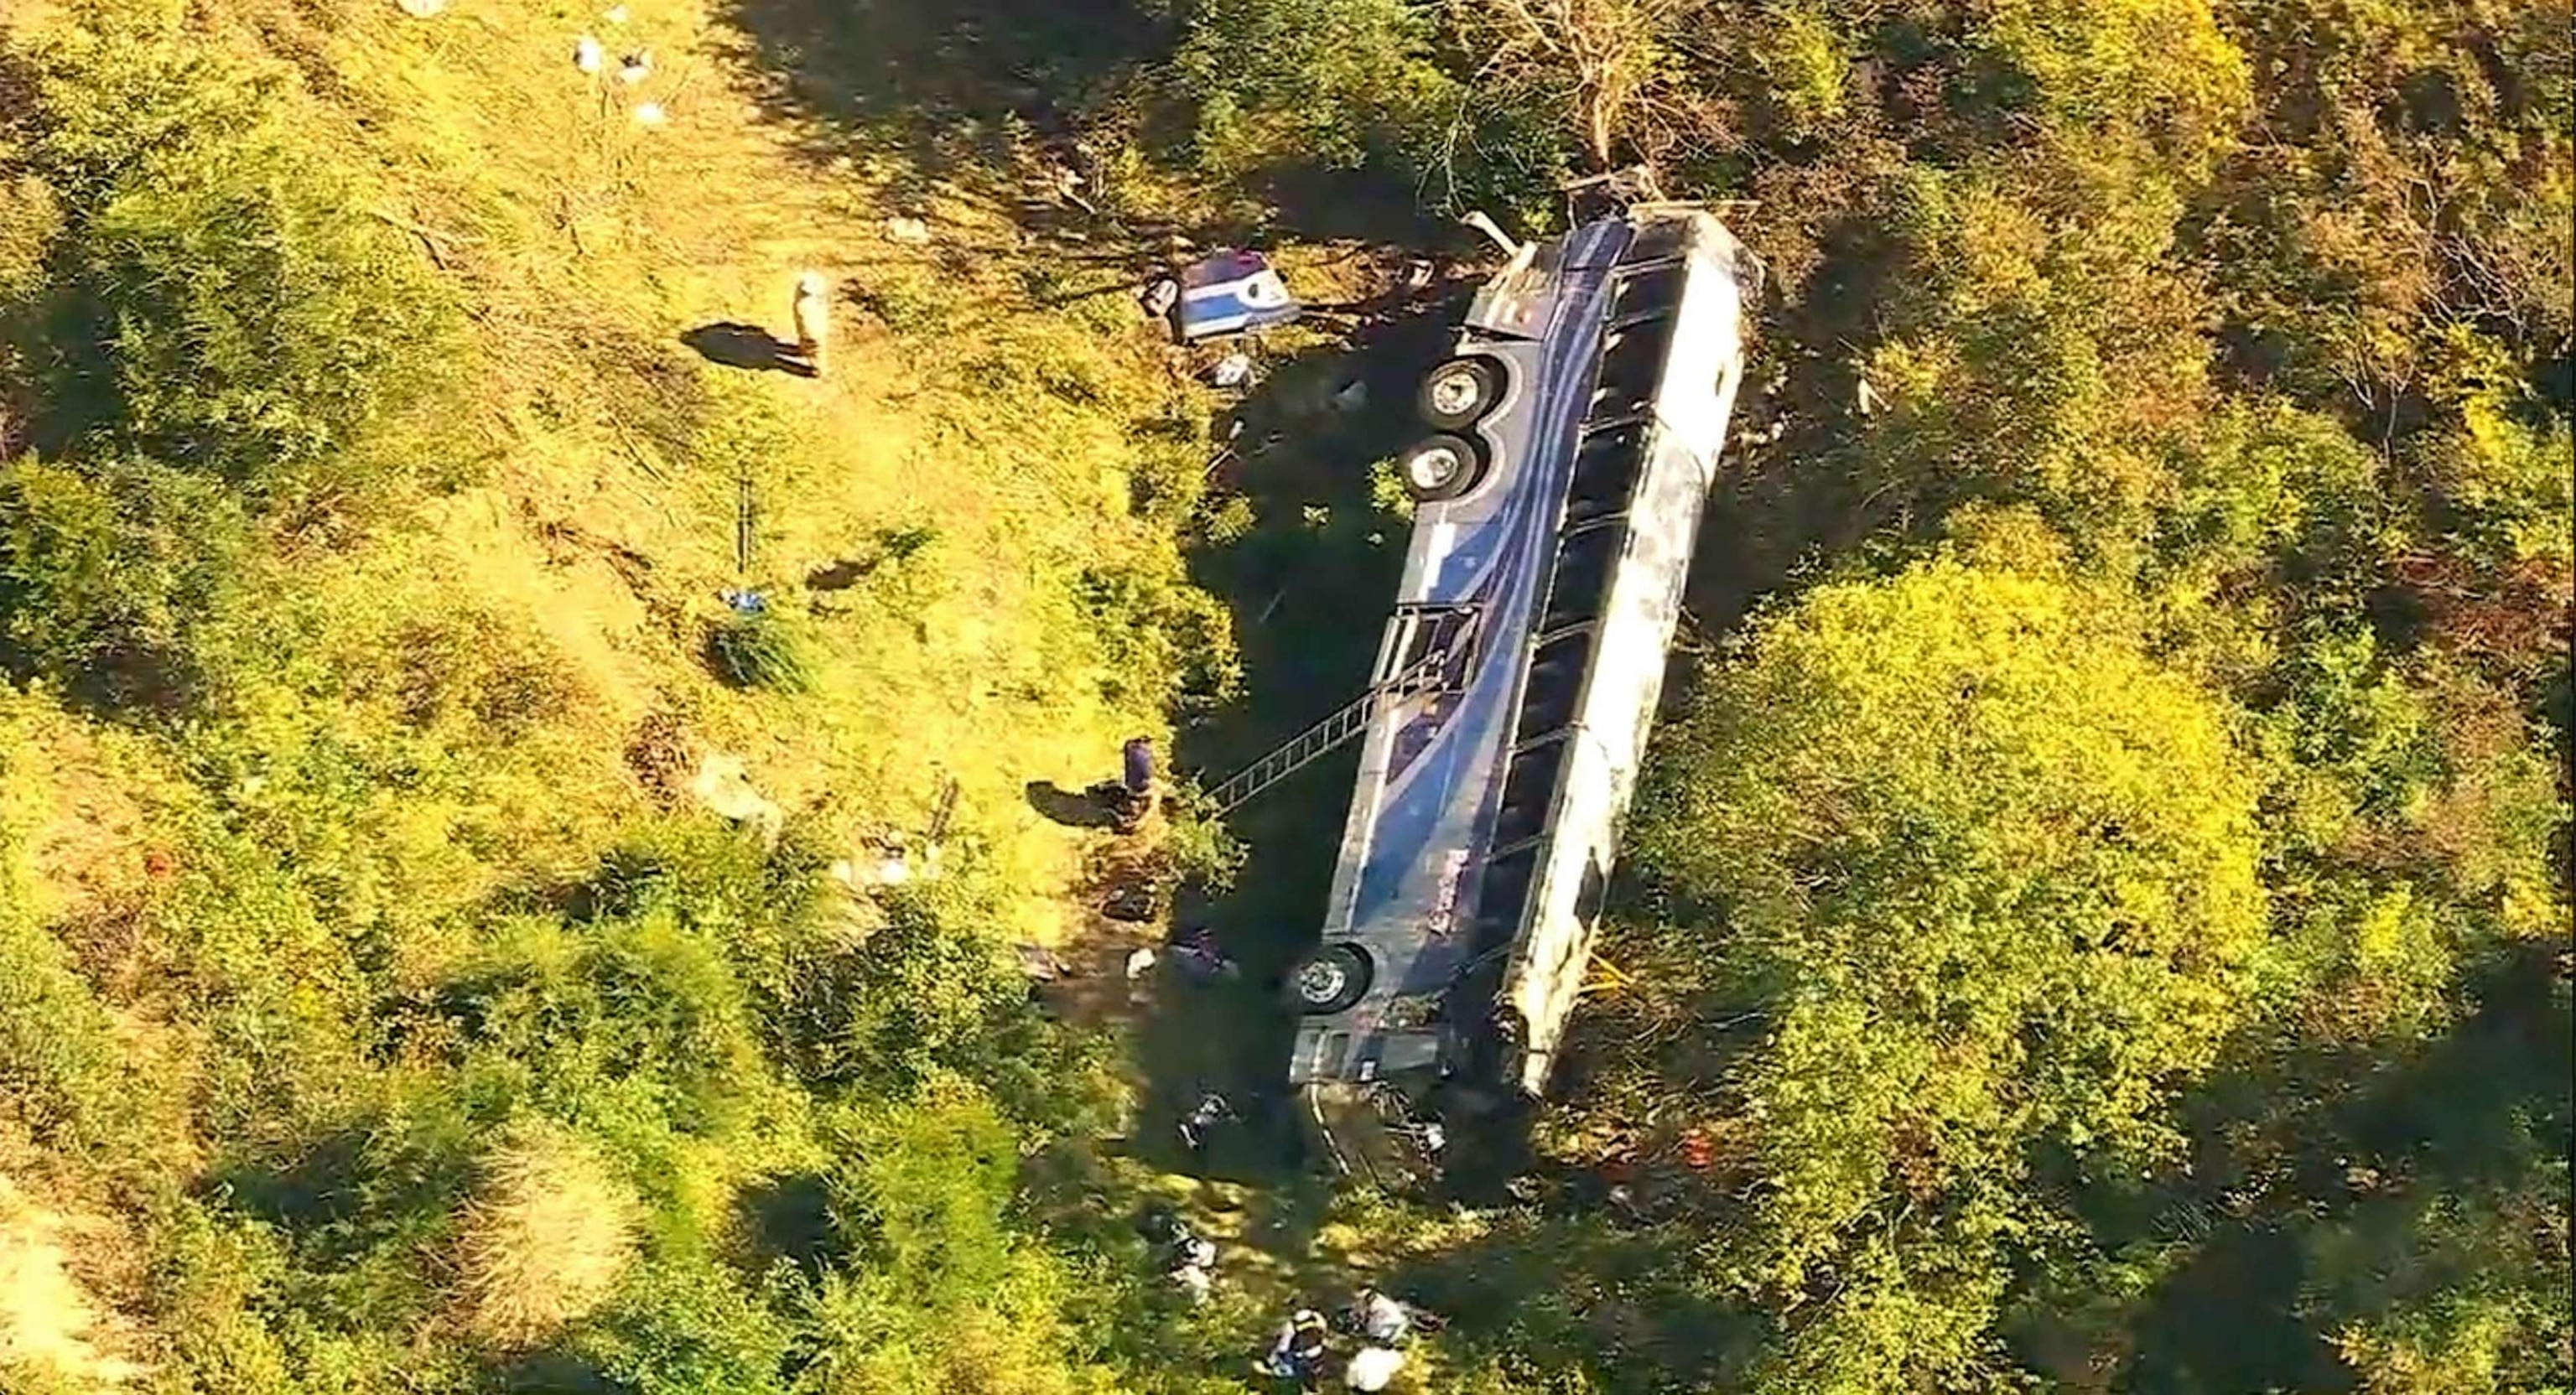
(2323, 1176)
(942, 83)
(961, 93)
(748, 347)
(1308, 586)
(552, 1372)
(1617, 1304)
(789, 1218)
(1070, 808)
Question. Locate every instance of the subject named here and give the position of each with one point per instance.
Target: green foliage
(221, 300)
(688, 1327)
(1157, 636)
(766, 650)
(1293, 82)
(1989, 876)
(102, 572)
(59, 1066)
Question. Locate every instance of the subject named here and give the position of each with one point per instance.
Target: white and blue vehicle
(1579, 428)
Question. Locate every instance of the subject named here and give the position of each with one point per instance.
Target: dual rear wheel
(1455, 396)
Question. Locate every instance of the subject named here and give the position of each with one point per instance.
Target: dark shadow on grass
(747, 347)
(1620, 1305)
(789, 1218)
(1071, 808)
(553, 1373)
(958, 90)
(1308, 587)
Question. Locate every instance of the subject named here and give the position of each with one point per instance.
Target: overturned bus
(1578, 428)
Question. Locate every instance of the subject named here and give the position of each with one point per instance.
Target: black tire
(1458, 393)
(1441, 467)
(1329, 980)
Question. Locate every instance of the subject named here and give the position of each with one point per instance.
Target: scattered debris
(1140, 962)
(650, 114)
(616, 14)
(1232, 292)
(1231, 371)
(1159, 296)
(635, 67)
(912, 231)
(422, 9)
(745, 601)
(1477, 220)
(1414, 277)
(1372, 1368)
(1066, 184)
(726, 791)
(587, 54)
(1041, 964)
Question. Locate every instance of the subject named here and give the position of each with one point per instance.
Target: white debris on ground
(1140, 962)
(422, 9)
(650, 114)
(725, 790)
(1231, 371)
(587, 54)
(907, 230)
(635, 67)
(616, 14)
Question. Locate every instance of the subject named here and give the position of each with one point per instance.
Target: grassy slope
(586, 244)
(971, 454)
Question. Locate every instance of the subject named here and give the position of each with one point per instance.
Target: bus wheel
(1441, 467)
(1458, 392)
(1330, 980)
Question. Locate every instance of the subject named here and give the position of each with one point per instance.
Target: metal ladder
(1326, 736)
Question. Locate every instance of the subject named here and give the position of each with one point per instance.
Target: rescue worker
(1192, 1265)
(1380, 1318)
(1202, 958)
(1202, 1120)
(1138, 791)
(812, 309)
(1301, 1352)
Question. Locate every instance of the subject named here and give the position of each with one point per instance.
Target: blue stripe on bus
(1500, 564)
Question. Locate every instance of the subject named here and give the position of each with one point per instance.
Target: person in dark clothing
(1302, 1351)
(1137, 790)
(1202, 1120)
(1199, 956)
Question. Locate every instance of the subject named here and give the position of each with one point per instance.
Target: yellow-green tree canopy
(1983, 874)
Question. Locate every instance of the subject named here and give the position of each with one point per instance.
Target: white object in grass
(1372, 1368)
(650, 114)
(587, 55)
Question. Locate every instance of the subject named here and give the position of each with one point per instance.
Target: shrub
(549, 1233)
(223, 299)
(687, 1327)
(103, 571)
(1299, 82)
(762, 651)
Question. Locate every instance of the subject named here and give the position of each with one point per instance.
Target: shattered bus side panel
(1625, 684)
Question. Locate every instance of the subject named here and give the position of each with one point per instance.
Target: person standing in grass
(812, 309)
(1137, 791)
